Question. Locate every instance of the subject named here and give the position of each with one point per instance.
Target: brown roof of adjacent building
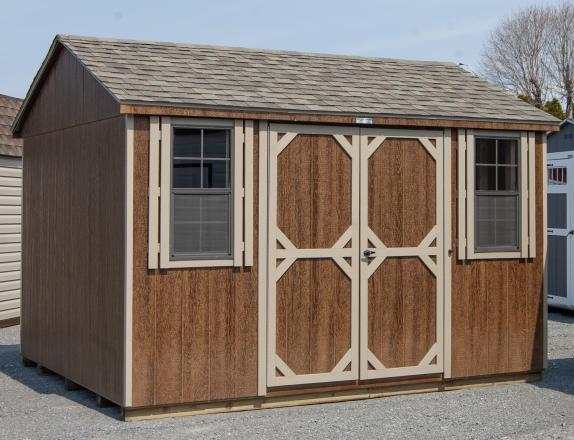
(9, 107)
(186, 75)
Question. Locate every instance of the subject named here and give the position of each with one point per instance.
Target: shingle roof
(9, 146)
(140, 72)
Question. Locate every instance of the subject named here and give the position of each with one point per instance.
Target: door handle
(368, 253)
(571, 232)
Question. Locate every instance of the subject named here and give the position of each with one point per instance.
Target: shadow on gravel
(558, 315)
(559, 376)
(11, 366)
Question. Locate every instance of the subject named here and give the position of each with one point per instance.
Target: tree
(554, 108)
(515, 54)
(560, 48)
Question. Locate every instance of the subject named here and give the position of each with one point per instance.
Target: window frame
(500, 193)
(161, 193)
(204, 191)
(466, 198)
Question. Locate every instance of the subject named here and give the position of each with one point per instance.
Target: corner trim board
(128, 280)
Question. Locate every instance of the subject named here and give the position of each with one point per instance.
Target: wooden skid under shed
(135, 414)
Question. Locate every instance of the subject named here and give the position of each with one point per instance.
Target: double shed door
(355, 285)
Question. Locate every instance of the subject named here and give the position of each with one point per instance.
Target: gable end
(63, 94)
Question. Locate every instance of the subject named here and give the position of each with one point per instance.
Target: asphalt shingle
(254, 79)
(9, 107)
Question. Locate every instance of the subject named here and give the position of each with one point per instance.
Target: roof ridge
(64, 38)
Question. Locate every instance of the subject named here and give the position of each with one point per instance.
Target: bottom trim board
(135, 414)
(10, 322)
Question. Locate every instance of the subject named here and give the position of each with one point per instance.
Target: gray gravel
(34, 407)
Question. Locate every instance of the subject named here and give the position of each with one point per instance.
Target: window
(497, 194)
(496, 189)
(200, 193)
(557, 175)
(202, 199)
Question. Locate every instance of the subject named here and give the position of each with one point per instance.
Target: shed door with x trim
(354, 254)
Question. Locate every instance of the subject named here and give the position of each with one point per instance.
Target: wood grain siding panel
(402, 312)
(69, 96)
(145, 285)
(497, 304)
(10, 255)
(73, 254)
(402, 192)
(313, 191)
(195, 330)
(313, 316)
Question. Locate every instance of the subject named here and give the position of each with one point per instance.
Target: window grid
(203, 190)
(497, 193)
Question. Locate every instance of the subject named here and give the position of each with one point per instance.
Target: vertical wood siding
(497, 304)
(195, 330)
(69, 96)
(74, 229)
(73, 254)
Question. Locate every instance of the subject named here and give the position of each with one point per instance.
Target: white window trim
(160, 193)
(465, 193)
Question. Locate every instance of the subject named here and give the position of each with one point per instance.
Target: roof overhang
(169, 109)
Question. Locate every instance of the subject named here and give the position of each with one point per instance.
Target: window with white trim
(496, 194)
(201, 195)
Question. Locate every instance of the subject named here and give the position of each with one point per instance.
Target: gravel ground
(34, 407)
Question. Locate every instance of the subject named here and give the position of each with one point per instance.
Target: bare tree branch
(515, 56)
(560, 48)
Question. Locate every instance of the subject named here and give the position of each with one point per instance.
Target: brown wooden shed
(211, 228)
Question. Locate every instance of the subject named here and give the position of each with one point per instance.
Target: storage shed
(10, 213)
(561, 216)
(211, 228)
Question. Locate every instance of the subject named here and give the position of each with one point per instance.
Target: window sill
(494, 255)
(181, 264)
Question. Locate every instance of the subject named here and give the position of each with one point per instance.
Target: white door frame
(564, 159)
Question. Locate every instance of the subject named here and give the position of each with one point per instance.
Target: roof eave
(556, 123)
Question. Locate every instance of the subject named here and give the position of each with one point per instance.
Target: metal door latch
(368, 253)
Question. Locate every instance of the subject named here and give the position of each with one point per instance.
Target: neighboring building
(10, 213)
(213, 229)
(561, 216)
(562, 140)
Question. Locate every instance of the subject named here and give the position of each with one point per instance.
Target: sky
(449, 30)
